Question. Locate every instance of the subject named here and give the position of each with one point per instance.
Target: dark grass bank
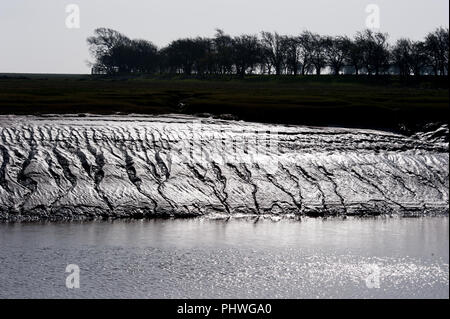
(385, 102)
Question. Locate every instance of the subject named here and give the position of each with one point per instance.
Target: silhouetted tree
(305, 51)
(402, 56)
(293, 54)
(419, 58)
(437, 47)
(275, 47)
(203, 56)
(223, 45)
(185, 56)
(318, 52)
(336, 51)
(375, 50)
(116, 53)
(109, 48)
(265, 62)
(246, 53)
(355, 54)
(143, 56)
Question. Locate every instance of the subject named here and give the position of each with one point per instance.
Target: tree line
(368, 52)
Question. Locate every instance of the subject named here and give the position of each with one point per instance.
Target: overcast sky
(34, 37)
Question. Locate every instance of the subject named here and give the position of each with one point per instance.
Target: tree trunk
(242, 72)
(278, 70)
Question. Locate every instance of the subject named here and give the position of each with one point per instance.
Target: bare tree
(419, 57)
(355, 55)
(336, 51)
(318, 52)
(375, 49)
(275, 47)
(437, 46)
(223, 45)
(305, 50)
(246, 53)
(293, 52)
(109, 49)
(401, 56)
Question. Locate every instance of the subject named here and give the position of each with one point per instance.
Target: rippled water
(248, 258)
(70, 167)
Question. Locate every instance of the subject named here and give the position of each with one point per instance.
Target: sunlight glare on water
(204, 258)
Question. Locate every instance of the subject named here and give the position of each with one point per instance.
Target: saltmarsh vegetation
(348, 100)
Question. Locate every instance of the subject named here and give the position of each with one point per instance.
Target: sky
(35, 37)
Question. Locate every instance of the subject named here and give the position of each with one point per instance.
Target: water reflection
(235, 258)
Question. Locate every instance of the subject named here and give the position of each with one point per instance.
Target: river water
(380, 257)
